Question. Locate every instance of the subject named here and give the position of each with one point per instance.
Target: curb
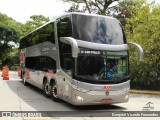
(145, 92)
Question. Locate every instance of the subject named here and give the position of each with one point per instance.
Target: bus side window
(32, 63)
(47, 64)
(64, 27)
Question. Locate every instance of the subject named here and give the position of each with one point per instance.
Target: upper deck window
(96, 29)
(44, 34)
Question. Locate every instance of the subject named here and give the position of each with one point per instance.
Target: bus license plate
(108, 100)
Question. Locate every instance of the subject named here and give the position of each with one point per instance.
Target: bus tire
(46, 89)
(24, 80)
(54, 95)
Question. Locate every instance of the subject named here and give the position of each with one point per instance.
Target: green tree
(34, 22)
(125, 8)
(92, 6)
(143, 28)
(10, 31)
(37, 20)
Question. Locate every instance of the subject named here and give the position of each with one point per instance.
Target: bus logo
(107, 87)
(107, 93)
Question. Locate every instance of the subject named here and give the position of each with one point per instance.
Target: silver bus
(79, 58)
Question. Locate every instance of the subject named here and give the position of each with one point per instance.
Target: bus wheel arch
(54, 95)
(46, 87)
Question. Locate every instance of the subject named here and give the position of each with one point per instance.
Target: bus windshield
(101, 65)
(102, 30)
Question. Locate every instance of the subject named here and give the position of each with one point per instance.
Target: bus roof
(69, 14)
(86, 14)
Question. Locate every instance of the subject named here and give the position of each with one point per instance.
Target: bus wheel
(24, 80)
(46, 89)
(54, 95)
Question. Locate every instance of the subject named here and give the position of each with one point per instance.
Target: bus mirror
(73, 43)
(140, 50)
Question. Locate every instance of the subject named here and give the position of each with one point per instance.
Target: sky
(21, 10)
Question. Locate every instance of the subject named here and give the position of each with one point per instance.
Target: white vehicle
(79, 58)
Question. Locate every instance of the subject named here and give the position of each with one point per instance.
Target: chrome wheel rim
(54, 91)
(46, 88)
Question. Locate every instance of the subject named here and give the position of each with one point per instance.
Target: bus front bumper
(100, 97)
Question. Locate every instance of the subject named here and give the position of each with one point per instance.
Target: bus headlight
(127, 97)
(79, 98)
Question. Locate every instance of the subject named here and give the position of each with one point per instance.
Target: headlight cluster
(79, 98)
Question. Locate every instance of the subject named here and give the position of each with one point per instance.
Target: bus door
(67, 68)
(64, 84)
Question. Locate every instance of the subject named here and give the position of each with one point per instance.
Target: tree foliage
(125, 8)
(34, 22)
(143, 27)
(37, 20)
(10, 31)
(92, 6)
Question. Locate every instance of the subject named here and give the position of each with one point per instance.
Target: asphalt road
(14, 96)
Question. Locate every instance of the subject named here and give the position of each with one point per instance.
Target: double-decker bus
(79, 58)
